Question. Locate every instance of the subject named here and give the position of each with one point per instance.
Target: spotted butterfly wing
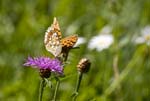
(69, 42)
(52, 39)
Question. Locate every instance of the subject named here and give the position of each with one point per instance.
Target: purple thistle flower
(45, 63)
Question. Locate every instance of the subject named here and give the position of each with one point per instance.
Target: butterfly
(55, 44)
(67, 44)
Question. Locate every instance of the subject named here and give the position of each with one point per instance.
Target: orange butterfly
(54, 42)
(67, 44)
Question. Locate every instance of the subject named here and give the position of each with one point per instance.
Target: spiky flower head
(45, 65)
(45, 73)
(84, 65)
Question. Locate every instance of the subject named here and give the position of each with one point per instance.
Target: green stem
(56, 89)
(74, 96)
(42, 85)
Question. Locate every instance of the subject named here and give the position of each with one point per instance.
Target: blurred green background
(22, 27)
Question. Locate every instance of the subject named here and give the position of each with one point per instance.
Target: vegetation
(118, 73)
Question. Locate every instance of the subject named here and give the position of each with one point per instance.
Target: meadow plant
(144, 37)
(103, 40)
(82, 67)
(59, 47)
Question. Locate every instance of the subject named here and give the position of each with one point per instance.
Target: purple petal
(53, 65)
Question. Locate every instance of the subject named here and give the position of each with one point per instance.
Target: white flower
(145, 36)
(100, 42)
(103, 40)
(81, 40)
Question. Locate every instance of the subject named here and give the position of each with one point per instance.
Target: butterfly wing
(52, 39)
(69, 42)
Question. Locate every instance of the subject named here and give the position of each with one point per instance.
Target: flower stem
(42, 85)
(56, 89)
(75, 94)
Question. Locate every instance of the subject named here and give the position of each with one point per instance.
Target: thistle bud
(45, 73)
(84, 65)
